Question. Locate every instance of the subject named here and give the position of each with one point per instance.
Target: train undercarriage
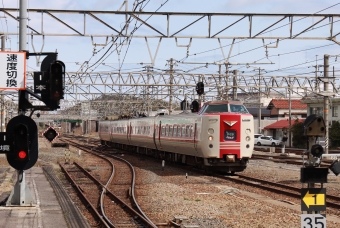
(207, 164)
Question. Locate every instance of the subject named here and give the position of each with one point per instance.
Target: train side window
(163, 131)
(179, 131)
(170, 130)
(190, 131)
(183, 131)
(175, 131)
(167, 131)
(186, 131)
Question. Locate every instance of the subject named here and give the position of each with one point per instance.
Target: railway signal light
(200, 88)
(314, 126)
(20, 142)
(50, 134)
(195, 106)
(317, 150)
(57, 73)
(50, 82)
(22, 133)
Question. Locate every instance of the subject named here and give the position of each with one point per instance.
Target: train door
(155, 134)
(129, 129)
(158, 136)
(110, 131)
(195, 136)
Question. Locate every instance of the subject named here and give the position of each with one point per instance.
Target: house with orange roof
(280, 108)
(279, 111)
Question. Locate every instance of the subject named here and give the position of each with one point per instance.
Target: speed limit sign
(313, 221)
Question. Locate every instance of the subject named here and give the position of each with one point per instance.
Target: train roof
(222, 102)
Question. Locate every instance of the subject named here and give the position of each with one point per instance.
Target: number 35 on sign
(313, 221)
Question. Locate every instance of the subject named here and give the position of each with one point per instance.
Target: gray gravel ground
(205, 201)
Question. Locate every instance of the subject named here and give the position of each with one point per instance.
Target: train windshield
(238, 108)
(215, 108)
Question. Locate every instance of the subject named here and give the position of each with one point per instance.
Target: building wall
(285, 111)
(263, 123)
(274, 111)
(317, 109)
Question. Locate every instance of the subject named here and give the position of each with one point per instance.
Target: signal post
(313, 200)
(20, 141)
(21, 137)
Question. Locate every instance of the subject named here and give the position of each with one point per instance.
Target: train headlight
(210, 138)
(211, 131)
(248, 138)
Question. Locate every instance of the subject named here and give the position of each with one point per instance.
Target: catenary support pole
(326, 99)
(21, 195)
(259, 112)
(171, 82)
(2, 92)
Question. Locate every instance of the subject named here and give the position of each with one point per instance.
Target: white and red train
(219, 137)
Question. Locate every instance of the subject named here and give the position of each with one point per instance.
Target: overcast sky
(75, 50)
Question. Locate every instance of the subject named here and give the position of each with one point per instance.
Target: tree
(334, 134)
(299, 139)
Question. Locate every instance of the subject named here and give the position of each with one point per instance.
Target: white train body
(215, 138)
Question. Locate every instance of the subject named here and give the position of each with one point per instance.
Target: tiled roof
(281, 124)
(284, 104)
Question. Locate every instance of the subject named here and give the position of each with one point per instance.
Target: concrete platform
(45, 213)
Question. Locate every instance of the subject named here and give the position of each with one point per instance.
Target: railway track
(288, 160)
(282, 189)
(333, 202)
(115, 209)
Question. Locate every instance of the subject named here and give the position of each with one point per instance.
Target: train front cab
(226, 140)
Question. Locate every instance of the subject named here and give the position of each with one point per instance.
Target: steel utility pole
(235, 84)
(227, 82)
(290, 116)
(260, 106)
(219, 89)
(326, 99)
(171, 82)
(147, 90)
(2, 92)
(21, 195)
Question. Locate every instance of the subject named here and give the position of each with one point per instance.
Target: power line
(263, 33)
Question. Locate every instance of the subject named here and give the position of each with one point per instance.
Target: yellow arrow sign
(314, 199)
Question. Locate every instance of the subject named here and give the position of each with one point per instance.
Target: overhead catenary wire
(245, 39)
(125, 39)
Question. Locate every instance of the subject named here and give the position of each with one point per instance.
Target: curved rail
(139, 214)
(85, 200)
